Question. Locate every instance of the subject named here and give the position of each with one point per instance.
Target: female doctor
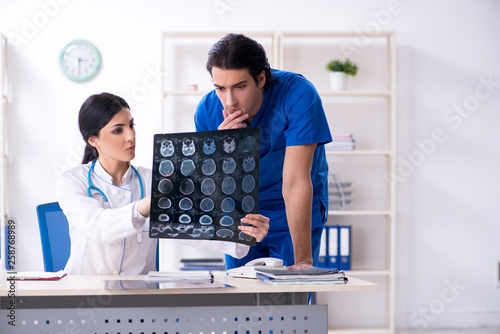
(107, 200)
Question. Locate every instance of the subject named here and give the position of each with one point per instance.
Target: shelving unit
(307, 53)
(4, 145)
(323, 43)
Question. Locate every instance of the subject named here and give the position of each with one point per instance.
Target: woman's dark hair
(95, 113)
(236, 52)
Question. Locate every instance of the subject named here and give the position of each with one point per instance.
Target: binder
(333, 246)
(344, 249)
(322, 259)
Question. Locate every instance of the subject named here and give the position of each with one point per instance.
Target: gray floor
(491, 330)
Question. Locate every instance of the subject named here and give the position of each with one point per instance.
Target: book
(342, 142)
(174, 276)
(36, 275)
(313, 275)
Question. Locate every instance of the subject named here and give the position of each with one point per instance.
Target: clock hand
(79, 60)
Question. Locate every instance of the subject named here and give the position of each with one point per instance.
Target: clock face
(79, 60)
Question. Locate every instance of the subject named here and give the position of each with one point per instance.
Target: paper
(182, 277)
(36, 275)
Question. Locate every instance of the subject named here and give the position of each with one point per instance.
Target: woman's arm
(91, 217)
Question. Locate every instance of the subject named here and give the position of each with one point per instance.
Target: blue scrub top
(291, 114)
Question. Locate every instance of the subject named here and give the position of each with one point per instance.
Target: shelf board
(184, 93)
(216, 34)
(368, 272)
(347, 93)
(357, 152)
(374, 330)
(359, 212)
(321, 34)
(357, 93)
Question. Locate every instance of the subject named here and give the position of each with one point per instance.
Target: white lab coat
(105, 236)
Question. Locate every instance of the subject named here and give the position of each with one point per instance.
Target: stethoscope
(92, 187)
(140, 237)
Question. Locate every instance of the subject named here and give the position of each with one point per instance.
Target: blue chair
(54, 234)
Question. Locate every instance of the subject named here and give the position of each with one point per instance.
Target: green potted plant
(339, 70)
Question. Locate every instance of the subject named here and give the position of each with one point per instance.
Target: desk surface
(81, 285)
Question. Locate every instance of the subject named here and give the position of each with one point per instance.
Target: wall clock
(79, 60)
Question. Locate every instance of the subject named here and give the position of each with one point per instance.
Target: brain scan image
(207, 186)
(207, 204)
(225, 233)
(163, 217)
(228, 204)
(185, 204)
(206, 220)
(248, 203)
(244, 236)
(209, 146)
(208, 167)
(248, 183)
(188, 167)
(188, 148)
(167, 148)
(228, 165)
(160, 228)
(228, 185)
(248, 163)
(166, 168)
(249, 144)
(184, 219)
(165, 186)
(229, 144)
(203, 183)
(182, 228)
(164, 203)
(203, 232)
(226, 221)
(187, 186)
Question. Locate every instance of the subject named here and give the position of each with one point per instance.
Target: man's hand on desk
(300, 265)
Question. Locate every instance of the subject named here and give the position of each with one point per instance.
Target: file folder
(333, 246)
(344, 249)
(322, 259)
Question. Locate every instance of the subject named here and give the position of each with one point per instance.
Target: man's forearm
(298, 203)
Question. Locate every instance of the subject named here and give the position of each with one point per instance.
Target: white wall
(448, 189)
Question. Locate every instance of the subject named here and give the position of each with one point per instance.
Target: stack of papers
(36, 275)
(303, 276)
(191, 276)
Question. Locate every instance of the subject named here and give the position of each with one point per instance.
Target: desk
(123, 304)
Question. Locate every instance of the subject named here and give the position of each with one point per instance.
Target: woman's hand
(233, 121)
(144, 206)
(259, 226)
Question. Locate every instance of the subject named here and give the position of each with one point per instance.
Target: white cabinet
(367, 109)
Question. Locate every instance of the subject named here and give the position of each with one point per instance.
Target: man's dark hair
(236, 52)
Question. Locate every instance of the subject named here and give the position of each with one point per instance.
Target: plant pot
(338, 80)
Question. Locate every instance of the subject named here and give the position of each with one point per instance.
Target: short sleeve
(307, 122)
